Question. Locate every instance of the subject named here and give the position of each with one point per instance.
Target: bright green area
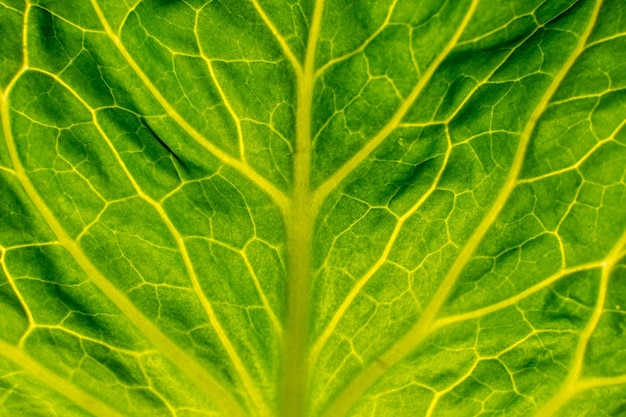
(309, 208)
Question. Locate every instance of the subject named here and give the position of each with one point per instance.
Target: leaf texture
(316, 208)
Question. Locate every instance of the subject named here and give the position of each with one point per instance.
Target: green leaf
(313, 208)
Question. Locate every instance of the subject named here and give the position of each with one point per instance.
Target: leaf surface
(313, 208)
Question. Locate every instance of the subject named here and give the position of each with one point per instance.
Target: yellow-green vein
(18, 295)
(279, 38)
(423, 327)
(84, 400)
(277, 195)
(293, 394)
(251, 388)
(481, 312)
(257, 399)
(571, 385)
(186, 363)
(331, 327)
(362, 47)
(340, 174)
(220, 90)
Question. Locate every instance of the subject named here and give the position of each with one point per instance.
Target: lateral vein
(481, 312)
(279, 37)
(169, 349)
(356, 289)
(277, 195)
(573, 382)
(84, 400)
(195, 282)
(206, 303)
(424, 326)
(338, 176)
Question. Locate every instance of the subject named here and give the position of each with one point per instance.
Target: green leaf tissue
(313, 208)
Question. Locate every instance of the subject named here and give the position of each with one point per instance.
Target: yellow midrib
(293, 394)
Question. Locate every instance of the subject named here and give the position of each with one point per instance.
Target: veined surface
(316, 208)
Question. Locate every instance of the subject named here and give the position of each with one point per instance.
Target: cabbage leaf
(316, 208)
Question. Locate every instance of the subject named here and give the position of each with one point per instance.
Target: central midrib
(300, 221)
(299, 244)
